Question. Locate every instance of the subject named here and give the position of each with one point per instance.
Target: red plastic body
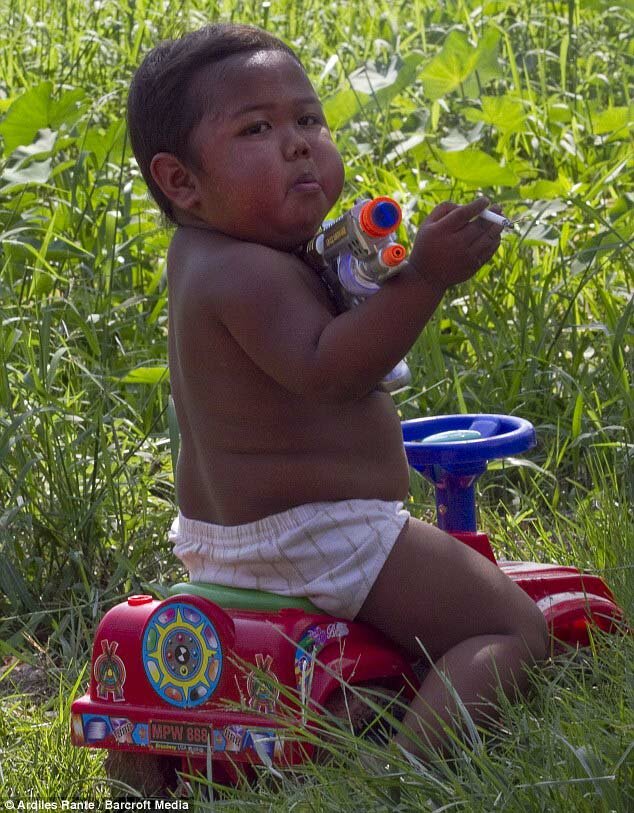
(146, 652)
(244, 717)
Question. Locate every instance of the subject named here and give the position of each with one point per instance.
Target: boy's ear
(174, 180)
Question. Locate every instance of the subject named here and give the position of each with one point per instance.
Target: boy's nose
(296, 146)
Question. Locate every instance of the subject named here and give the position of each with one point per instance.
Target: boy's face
(270, 170)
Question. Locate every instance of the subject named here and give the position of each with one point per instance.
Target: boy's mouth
(307, 182)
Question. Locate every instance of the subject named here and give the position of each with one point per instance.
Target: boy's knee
(533, 631)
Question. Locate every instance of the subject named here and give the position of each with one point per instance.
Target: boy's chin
(295, 242)
(296, 237)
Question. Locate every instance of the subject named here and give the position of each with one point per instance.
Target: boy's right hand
(453, 243)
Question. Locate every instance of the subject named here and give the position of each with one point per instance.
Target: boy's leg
(479, 628)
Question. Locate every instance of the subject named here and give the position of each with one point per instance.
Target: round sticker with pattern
(182, 655)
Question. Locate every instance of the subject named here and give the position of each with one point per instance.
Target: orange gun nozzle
(380, 217)
(393, 255)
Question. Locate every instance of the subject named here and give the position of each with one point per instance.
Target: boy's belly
(242, 473)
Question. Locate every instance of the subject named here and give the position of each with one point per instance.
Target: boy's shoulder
(193, 250)
(202, 263)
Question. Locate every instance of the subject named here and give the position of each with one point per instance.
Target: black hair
(163, 110)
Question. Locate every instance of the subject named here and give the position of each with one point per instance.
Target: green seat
(238, 598)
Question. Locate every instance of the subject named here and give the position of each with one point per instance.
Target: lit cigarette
(493, 217)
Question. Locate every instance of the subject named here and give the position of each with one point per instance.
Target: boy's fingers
(441, 210)
(481, 227)
(485, 247)
(461, 215)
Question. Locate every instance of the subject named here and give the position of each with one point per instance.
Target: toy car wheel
(147, 774)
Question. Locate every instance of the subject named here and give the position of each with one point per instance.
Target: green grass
(570, 747)
(526, 102)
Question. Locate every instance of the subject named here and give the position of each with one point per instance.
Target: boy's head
(228, 131)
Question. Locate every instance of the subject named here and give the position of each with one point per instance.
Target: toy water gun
(355, 254)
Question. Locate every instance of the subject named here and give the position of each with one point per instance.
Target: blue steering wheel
(452, 451)
(461, 440)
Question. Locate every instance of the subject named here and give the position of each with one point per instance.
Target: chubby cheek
(259, 190)
(247, 194)
(336, 175)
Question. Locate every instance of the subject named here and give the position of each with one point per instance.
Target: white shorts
(329, 552)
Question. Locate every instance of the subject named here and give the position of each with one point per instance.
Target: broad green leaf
(36, 110)
(546, 190)
(487, 65)
(369, 85)
(37, 172)
(540, 234)
(615, 120)
(146, 375)
(43, 282)
(407, 72)
(476, 168)
(27, 115)
(505, 113)
(405, 146)
(368, 80)
(42, 146)
(449, 68)
(68, 108)
(385, 86)
(103, 143)
(343, 106)
(458, 140)
(559, 112)
(457, 61)
(487, 61)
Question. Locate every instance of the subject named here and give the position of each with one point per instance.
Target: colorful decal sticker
(312, 642)
(94, 728)
(140, 735)
(191, 738)
(179, 736)
(109, 671)
(263, 687)
(122, 730)
(232, 739)
(182, 655)
(97, 728)
(77, 727)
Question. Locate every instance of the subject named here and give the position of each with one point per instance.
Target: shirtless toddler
(291, 474)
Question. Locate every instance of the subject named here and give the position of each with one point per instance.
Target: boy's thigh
(439, 590)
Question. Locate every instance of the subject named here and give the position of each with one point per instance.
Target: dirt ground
(38, 680)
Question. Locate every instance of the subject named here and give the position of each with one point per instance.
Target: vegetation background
(528, 102)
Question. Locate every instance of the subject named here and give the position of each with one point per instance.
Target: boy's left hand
(453, 243)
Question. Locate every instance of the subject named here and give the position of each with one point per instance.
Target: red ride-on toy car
(223, 673)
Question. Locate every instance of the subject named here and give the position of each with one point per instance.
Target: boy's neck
(187, 220)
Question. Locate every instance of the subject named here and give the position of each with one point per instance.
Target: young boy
(292, 472)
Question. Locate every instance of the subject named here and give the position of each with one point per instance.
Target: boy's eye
(309, 120)
(256, 128)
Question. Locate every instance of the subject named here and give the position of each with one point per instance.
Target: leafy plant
(527, 102)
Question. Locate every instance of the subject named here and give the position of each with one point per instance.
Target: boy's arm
(261, 297)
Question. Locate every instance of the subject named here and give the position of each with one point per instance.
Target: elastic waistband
(275, 524)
